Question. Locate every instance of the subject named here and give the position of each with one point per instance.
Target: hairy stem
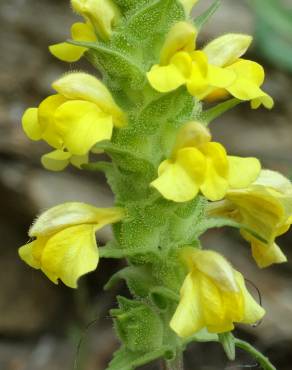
(262, 360)
(176, 364)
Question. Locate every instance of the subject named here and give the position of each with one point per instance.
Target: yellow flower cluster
(81, 114)
(198, 164)
(216, 71)
(65, 246)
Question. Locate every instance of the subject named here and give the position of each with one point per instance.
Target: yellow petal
(215, 184)
(250, 76)
(243, 171)
(103, 14)
(233, 305)
(226, 49)
(215, 95)
(198, 82)
(266, 255)
(265, 100)
(175, 184)
(82, 125)
(248, 70)
(72, 53)
(253, 312)
(83, 32)
(212, 304)
(214, 187)
(46, 113)
(220, 77)
(73, 213)
(165, 78)
(258, 210)
(201, 61)
(67, 52)
(245, 90)
(79, 160)
(26, 254)
(57, 160)
(181, 37)
(183, 63)
(217, 154)
(215, 267)
(188, 317)
(30, 124)
(71, 253)
(275, 180)
(50, 275)
(179, 181)
(82, 86)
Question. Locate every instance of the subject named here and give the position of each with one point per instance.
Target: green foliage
(138, 326)
(128, 360)
(138, 278)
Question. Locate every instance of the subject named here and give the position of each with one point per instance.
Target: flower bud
(192, 134)
(103, 14)
(226, 49)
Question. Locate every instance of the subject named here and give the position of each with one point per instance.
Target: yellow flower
(102, 14)
(225, 51)
(72, 121)
(198, 164)
(265, 209)
(213, 296)
(212, 73)
(188, 5)
(181, 65)
(65, 247)
(72, 53)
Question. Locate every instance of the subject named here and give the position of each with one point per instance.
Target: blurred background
(41, 325)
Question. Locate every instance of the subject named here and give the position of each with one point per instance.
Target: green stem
(209, 115)
(262, 360)
(176, 364)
